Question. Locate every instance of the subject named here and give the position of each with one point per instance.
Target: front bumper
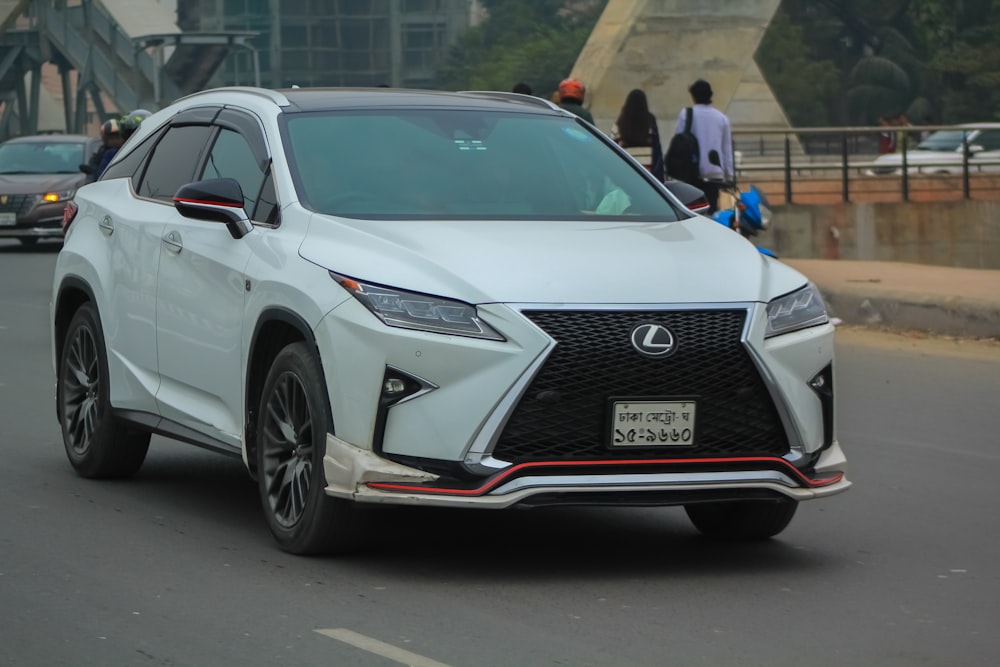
(41, 221)
(359, 475)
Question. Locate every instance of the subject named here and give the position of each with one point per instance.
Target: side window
(174, 161)
(989, 140)
(128, 166)
(231, 157)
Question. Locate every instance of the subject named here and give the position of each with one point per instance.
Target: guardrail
(848, 154)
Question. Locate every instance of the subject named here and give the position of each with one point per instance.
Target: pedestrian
(521, 88)
(571, 95)
(715, 142)
(636, 131)
(886, 137)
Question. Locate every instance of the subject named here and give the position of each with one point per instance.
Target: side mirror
(975, 148)
(87, 169)
(693, 198)
(215, 200)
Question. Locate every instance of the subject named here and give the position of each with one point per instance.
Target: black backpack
(683, 157)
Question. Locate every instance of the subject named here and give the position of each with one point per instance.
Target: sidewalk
(906, 297)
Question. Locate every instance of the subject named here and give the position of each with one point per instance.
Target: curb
(949, 316)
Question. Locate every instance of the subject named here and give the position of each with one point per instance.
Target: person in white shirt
(715, 142)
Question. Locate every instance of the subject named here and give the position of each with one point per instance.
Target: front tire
(742, 520)
(293, 423)
(97, 444)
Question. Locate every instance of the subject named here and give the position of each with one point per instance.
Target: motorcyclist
(111, 141)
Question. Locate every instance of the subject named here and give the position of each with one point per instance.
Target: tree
(534, 41)
(802, 83)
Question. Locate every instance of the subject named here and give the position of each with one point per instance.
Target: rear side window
(127, 166)
(174, 161)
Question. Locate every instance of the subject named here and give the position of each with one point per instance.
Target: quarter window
(231, 157)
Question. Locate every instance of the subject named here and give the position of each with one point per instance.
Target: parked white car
(942, 152)
(413, 297)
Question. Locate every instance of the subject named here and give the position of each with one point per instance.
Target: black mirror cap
(215, 200)
(692, 197)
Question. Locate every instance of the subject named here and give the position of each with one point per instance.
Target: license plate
(8, 219)
(652, 423)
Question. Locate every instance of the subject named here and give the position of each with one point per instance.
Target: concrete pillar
(662, 46)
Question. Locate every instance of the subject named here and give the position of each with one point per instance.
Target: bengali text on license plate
(8, 219)
(652, 423)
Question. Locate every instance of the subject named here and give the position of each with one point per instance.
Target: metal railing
(850, 154)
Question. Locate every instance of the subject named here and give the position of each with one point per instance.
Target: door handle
(173, 242)
(106, 225)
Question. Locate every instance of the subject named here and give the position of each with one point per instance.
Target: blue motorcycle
(749, 214)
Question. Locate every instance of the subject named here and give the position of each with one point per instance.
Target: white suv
(414, 297)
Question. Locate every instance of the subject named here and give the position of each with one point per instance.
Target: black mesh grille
(19, 204)
(564, 413)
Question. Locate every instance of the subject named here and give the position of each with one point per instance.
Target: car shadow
(557, 543)
(42, 247)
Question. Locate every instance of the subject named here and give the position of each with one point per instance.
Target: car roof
(296, 100)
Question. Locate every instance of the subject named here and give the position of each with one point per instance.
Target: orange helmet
(572, 88)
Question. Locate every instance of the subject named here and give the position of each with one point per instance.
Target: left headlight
(799, 310)
(423, 312)
(53, 197)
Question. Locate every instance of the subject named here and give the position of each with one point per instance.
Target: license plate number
(652, 423)
(8, 219)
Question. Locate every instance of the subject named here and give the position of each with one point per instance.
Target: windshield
(448, 164)
(943, 140)
(41, 157)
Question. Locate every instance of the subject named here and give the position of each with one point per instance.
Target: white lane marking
(379, 648)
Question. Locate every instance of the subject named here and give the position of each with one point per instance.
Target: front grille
(19, 204)
(563, 415)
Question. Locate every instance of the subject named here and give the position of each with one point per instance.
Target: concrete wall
(958, 233)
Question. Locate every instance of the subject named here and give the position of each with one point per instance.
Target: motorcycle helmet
(572, 88)
(111, 128)
(131, 121)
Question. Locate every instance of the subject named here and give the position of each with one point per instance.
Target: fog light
(818, 382)
(393, 387)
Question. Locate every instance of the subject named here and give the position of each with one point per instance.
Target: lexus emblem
(653, 340)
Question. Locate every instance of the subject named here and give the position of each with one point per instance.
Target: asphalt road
(176, 567)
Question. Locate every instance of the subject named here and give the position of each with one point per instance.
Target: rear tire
(292, 426)
(742, 520)
(97, 444)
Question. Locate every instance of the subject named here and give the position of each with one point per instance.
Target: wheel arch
(275, 329)
(73, 293)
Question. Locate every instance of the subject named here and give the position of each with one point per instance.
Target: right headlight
(798, 310)
(423, 312)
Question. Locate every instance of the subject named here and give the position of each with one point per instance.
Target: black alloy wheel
(96, 443)
(293, 423)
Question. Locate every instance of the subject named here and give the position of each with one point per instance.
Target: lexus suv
(425, 298)
(38, 176)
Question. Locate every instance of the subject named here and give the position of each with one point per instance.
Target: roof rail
(273, 95)
(513, 97)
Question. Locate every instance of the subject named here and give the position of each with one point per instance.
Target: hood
(33, 184)
(587, 262)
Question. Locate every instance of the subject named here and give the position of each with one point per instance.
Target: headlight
(58, 196)
(409, 310)
(801, 309)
